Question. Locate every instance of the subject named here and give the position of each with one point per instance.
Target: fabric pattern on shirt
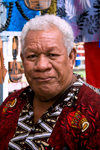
(35, 136)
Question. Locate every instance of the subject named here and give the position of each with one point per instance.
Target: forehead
(51, 31)
(51, 37)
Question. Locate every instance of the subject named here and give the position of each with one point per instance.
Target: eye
(31, 56)
(53, 55)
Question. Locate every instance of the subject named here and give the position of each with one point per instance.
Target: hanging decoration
(38, 4)
(15, 75)
(52, 9)
(84, 17)
(3, 70)
(21, 10)
(5, 26)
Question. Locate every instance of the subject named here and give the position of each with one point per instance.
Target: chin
(45, 94)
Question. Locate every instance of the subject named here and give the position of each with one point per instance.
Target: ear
(72, 57)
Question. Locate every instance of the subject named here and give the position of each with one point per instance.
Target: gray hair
(45, 21)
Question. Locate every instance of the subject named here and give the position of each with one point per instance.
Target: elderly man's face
(47, 66)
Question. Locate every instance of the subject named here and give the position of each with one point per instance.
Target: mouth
(43, 79)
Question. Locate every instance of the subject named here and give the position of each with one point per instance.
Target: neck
(40, 107)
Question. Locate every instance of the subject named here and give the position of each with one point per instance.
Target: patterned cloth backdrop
(84, 17)
(17, 20)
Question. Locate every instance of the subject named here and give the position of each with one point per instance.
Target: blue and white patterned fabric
(17, 20)
(84, 17)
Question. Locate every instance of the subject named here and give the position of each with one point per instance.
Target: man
(57, 110)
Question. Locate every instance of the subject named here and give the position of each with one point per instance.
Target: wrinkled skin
(47, 66)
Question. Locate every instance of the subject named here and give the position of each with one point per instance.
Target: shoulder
(9, 113)
(12, 100)
(89, 104)
(88, 96)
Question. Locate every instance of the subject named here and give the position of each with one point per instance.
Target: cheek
(64, 71)
(27, 68)
(27, 65)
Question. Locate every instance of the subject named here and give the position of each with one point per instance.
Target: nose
(43, 63)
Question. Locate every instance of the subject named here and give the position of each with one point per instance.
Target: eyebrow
(29, 49)
(50, 49)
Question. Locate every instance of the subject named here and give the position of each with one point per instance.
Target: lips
(43, 79)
